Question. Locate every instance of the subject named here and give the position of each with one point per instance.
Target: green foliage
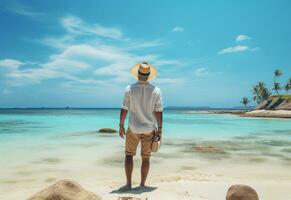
(260, 92)
(277, 73)
(245, 101)
(277, 87)
(287, 87)
(282, 96)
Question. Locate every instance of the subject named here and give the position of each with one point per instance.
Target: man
(144, 103)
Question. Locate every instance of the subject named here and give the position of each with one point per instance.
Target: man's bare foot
(125, 188)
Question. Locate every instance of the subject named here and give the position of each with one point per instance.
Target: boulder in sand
(107, 130)
(65, 190)
(241, 192)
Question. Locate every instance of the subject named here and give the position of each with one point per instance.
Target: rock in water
(107, 130)
(65, 190)
(241, 192)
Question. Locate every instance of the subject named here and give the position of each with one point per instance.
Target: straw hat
(143, 71)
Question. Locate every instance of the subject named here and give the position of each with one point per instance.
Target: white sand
(269, 113)
(184, 189)
(175, 173)
(210, 183)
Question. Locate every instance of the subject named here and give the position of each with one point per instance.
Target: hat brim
(134, 72)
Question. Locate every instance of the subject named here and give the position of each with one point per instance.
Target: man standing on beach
(144, 103)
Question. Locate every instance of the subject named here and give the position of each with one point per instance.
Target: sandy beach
(269, 113)
(202, 155)
(178, 171)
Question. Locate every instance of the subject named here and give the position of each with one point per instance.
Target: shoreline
(201, 155)
(268, 114)
(286, 114)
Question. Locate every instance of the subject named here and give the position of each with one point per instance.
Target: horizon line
(165, 108)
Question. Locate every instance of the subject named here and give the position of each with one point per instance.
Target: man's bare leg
(145, 166)
(128, 169)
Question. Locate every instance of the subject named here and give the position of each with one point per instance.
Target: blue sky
(79, 53)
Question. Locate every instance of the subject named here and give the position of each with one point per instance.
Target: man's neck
(142, 82)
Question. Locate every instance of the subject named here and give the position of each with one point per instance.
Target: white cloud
(75, 25)
(78, 59)
(235, 49)
(20, 9)
(145, 44)
(77, 29)
(161, 62)
(240, 38)
(101, 52)
(86, 61)
(169, 80)
(58, 42)
(31, 76)
(178, 29)
(11, 64)
(201, 72)
(119, 68)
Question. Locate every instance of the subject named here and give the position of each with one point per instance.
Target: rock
(241, 192)
(65, 190)
(207, 149)
(107, 130)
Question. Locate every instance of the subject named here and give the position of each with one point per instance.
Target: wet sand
(182, 169)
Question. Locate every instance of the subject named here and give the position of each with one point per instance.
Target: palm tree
(277, 87)
(277, 74)
(264, 91)
(245, 101)
(260, 92)
(255, 93)
(287, 87)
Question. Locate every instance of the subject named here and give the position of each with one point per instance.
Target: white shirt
(142, 99)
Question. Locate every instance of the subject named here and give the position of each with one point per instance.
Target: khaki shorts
(132, 141)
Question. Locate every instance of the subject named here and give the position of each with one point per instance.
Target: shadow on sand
(135, 190)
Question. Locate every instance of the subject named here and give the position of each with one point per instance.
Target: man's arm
(159, 113)
(159, 118)
(123, 114)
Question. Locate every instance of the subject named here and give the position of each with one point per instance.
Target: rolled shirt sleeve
(126, 99)
(159, 102)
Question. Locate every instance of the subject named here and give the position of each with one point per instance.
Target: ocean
(42, 123)
(41, 146)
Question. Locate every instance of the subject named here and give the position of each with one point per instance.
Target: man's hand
(121, 131)
(158, 134)
(123, 114)
(159, 118)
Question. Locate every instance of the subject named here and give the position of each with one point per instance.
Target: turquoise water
(40, 146)
(40, 123)
(28, 129)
